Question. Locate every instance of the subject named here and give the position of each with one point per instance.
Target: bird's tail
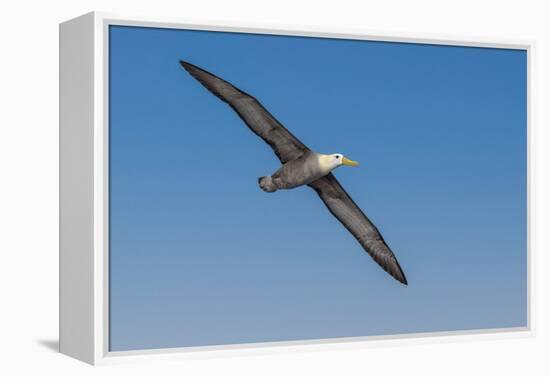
(267, 184)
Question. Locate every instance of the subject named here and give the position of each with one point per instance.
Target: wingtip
(185, 64)
(395, 271)
(194, 70)
(190, 67)
(401, 277)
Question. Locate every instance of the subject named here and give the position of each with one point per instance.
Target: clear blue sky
(199, 255)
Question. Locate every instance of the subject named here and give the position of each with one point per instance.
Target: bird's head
(332, 161)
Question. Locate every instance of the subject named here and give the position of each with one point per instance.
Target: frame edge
(76, 215)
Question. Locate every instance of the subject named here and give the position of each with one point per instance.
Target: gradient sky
(199, 255)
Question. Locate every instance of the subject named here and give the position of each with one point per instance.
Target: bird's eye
(336, 157)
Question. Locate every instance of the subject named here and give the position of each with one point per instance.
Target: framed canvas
(237, 189)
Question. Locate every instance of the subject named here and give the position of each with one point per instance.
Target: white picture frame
(84, 322)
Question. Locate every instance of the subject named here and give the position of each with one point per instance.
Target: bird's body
(302, 171)
(301, 166)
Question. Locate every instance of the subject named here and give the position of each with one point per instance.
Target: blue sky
(199, 255)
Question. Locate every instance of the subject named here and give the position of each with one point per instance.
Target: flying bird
(302, 166)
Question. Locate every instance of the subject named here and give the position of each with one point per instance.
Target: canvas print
(237, 214)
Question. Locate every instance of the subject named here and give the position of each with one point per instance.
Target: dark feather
(285, 145)
(340, 204)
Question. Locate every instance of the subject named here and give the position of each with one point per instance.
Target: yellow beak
(347, 162)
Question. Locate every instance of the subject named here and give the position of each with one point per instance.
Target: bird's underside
(288, 148)
(301, 171)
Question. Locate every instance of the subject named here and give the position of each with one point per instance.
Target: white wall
(29, 186)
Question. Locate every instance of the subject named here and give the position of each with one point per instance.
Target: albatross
(302, 166)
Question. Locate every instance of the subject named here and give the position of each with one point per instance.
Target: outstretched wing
(340, 204)
(285, 145)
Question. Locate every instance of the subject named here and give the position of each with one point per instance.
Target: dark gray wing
(285, 145)
(340, 204)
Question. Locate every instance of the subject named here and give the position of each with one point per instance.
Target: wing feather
(340, 204)
(286, 146)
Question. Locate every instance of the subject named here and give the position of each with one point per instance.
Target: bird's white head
(329, 162)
